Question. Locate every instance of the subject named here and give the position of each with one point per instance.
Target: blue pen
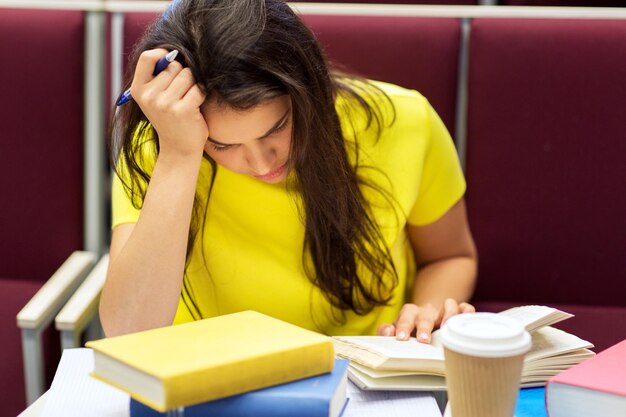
(160, 66)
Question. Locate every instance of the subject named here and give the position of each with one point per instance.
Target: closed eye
(220, 148)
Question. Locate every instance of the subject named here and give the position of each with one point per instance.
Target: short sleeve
(442, 182)
(122, 208)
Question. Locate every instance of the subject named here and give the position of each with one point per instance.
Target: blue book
(531, 403)
(319, 396)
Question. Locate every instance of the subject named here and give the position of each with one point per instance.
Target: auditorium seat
(415, 52)
(41, 174)
(545, 168)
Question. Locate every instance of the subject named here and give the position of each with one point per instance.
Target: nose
(260, 158)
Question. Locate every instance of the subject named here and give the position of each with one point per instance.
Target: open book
(384, 363)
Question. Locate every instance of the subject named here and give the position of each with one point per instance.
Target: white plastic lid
(486, 335)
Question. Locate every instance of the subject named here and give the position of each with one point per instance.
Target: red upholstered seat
(545, 166)
(41, 169)
(14, 294)
(593, 323)
(419, 53)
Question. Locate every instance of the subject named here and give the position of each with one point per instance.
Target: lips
(273, 174)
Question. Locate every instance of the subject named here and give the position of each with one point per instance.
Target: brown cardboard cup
(484, 354)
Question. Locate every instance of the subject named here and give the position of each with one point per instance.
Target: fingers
(420, 319)
(145, 65)
(451, 308)
(194, 97)
(466, 308)
(405, 323)
(386, 329)
(428, 317)
(173, 80)
(164, 89)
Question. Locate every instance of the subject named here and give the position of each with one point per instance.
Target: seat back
(415, 52)
(41, 151)
(545, 160)
(41, 171)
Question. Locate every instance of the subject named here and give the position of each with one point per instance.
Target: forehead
(228, 125)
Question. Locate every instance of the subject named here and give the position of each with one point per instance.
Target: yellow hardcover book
(208, 359)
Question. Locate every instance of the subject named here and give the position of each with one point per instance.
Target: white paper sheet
(76, 394)
(390, 403)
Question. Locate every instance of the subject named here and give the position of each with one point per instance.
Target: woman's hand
(171, 101)
(421, 320)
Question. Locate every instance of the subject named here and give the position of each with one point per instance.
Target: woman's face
(252, 142)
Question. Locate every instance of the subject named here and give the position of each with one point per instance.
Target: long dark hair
(241, 53)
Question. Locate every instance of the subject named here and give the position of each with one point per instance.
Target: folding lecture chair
(41, 178)
(545, 168)
(414, 52)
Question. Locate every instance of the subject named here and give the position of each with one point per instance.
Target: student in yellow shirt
(250, 176)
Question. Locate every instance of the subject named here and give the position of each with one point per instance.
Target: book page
(378, 373)
(534, 317)
(393, 348)
(416, 382)
(564, 360)
(549, 342)
(390, 403)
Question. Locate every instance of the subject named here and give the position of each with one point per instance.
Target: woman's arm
(147, 259)
(447, 262)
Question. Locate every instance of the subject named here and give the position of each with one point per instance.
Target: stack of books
(384, 363)
(237, 365)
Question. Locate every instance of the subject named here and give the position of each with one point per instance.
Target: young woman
(250, 176)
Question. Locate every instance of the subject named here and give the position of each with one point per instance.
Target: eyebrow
(266, 134)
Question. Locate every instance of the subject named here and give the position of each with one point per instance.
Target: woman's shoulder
(378, 92)
(359, 99)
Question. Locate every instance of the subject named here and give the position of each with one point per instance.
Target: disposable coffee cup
(484, 355)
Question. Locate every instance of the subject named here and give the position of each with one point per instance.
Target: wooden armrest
(55, 292)
(83, 305)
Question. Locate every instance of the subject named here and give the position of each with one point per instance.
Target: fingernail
(401, 334)
(423, 336)
(387, 331)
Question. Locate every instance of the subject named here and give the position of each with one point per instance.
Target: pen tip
(171, 55)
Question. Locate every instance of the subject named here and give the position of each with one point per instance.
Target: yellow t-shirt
(253, 236)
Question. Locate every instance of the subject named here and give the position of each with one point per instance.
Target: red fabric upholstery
(134, 26)
(14, 294)
(546, 172)
(418, 53)
(41, 151)
(41, 172)
(599, 325)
